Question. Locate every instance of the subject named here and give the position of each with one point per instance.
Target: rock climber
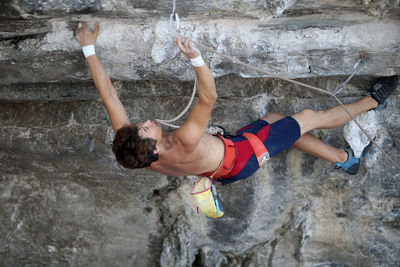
(190, 151)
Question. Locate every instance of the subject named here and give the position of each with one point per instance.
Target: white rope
(174, 17)
(167, 122)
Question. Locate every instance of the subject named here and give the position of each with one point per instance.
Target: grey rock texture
(136, 40)
(64, 201)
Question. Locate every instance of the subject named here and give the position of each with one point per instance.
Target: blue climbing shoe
(352, 165)
(382, 89)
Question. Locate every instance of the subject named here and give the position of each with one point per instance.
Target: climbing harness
(225, 166)
(259, 148)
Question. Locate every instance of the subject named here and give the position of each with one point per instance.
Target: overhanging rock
(45, 50)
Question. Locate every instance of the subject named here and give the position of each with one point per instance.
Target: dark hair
(131, 151)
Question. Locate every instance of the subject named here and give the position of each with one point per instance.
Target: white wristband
(88, 50)
(197, 61)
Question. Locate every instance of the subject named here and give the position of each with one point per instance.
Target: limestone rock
(355, 137)
(178, 247)
(65, 201)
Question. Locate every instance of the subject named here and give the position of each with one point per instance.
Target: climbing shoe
(382, 89)
(352, 164)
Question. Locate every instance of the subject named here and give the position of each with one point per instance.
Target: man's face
(150, 129)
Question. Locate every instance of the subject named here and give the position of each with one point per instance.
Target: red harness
(227, 163)
(259, 148)
(230, 154)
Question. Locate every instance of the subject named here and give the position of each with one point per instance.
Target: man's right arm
(108, 94)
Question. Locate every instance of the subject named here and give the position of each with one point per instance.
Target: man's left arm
(192, 130)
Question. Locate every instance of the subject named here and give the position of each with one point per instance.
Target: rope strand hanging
(168, 122)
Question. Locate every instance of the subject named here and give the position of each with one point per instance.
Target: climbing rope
(168, 122)
(174, 17)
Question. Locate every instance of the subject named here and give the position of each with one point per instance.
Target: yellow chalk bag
(206, 198)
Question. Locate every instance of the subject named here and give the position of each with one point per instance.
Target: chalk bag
(206, 198)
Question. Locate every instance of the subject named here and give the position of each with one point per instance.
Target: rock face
(137, 42)
(65, 201)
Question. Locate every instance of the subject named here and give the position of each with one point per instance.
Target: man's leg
(332, 118)
(312, 145)
(335, 117)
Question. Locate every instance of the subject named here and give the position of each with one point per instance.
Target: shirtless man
(190, 151)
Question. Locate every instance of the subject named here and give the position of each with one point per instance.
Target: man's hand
(84, 35)
(187, 48)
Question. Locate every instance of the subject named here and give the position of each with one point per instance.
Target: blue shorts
(276, 137)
